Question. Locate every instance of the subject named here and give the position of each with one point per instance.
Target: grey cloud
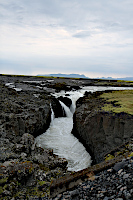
(82, 34)
(115, 24)
(107, 16)
(13, 14)
(6, 8)
(69, 13)
(53, 25)
(33, 13)
(117, 45)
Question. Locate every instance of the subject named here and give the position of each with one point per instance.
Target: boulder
(27, 141)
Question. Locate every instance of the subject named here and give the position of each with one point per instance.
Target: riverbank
(26, 170)
(102, 121)
(25, 112)
(114, 183)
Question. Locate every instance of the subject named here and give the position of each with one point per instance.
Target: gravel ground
(115, 183)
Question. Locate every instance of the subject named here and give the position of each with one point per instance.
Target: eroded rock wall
(25, 112)
(100, 131)
(26, 170)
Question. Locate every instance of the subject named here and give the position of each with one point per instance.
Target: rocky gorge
(26, 170)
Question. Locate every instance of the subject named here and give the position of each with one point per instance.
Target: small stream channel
(58, 136)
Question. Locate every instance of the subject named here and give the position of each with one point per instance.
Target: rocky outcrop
(23, 112)
(63, 85)
(100, 131)
(26, 112)
(57, 108)
(26, 171)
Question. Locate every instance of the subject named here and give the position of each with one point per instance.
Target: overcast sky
(91, 37)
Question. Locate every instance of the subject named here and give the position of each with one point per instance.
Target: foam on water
(59, 138)
(67, 110)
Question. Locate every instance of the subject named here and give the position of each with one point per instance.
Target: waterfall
(52, 114)
(59, 138)
(67, 110)
(74, 98)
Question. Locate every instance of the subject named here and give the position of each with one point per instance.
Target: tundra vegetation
(118, 101)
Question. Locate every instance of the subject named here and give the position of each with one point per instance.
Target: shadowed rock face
(100, 131)
(23, 112)
(28, 111)
(57, 108)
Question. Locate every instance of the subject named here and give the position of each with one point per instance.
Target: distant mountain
(83, 76)
(124, 79)
(65, 75)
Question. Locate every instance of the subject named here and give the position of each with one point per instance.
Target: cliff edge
(100, 124)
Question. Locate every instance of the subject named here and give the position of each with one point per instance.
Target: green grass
(55, 77)
(123, 81)
(118, 101)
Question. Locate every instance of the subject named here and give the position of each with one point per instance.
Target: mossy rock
(35, 192)
(43, 167)
(131, 155)
(42, 183)
(109, 157)
(3, 181)
(1, 190)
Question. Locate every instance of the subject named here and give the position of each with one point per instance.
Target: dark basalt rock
(75, 87)
(100, 131)
(57, 108)
(27, 170)
(23, 112)
(59, 86)
(24, 166)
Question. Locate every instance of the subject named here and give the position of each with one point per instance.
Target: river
(58, 136)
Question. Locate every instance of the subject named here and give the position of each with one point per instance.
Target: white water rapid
(58, 136)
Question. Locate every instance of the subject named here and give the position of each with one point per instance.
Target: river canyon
(59, 135)
(44, 131)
